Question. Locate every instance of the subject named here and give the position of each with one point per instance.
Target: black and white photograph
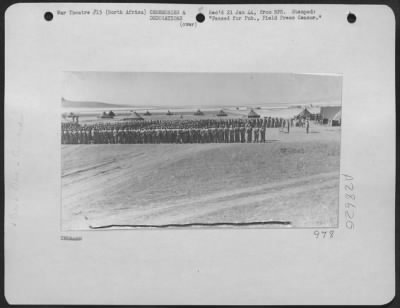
(195, 150)
(199, 154)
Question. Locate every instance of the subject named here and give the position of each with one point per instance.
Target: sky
(201, 89)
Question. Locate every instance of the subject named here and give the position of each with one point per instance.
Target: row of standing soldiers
(183, 135)
(170, 131)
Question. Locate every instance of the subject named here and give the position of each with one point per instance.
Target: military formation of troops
(172, 131)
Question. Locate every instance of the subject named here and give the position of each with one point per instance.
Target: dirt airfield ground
(293, 179)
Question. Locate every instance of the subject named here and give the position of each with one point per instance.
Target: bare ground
(295, 180)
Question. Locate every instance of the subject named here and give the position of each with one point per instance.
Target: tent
(109, 115)
(253, 114)
(337, 119)
(313, 113)
(221, 113)
(329, 112)
(338, 116)
(198, 113)
(285, 113)
(134, 117)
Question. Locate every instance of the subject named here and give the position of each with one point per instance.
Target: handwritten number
(324, 234)
(349, 187)
(349, 215)
(349, 224)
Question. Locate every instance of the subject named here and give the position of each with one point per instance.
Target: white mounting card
(199, 154)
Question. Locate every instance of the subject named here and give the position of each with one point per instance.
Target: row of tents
(326, 114)
(221, 113)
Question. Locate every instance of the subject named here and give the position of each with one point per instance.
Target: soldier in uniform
(242, 134)
(173, 135)
(190, 135)
(130, 134)
(226, 134)
(84, 136)
(158, 135)
(93, 135)
(74, 136)
(170, 135)
(203, 133)
(70, 136)
(144, 135)
(198, 135)
(262, 134)
(108, 135)
(64, 136)
(256, 133)
(237, 133)
(177, 136)
(213, 134)
(99, 134)
(153, 136)
(231, 134)
(139, 136)
(249, 133)
(120, 135)
(166, 135)
(220, 134)
(183, 134)
(114, 136)
(149, 133)
(126, 135)
(209, 134)
(87, 132)
(78, 136)
(187, 134)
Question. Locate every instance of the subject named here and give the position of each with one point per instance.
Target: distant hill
(83, 104)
